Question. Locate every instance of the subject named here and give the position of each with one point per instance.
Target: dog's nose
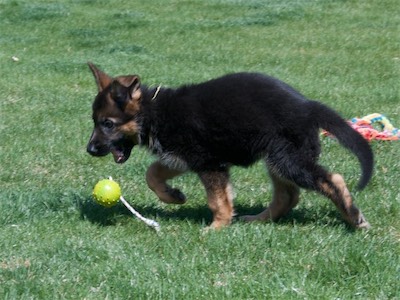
(97, 149)
(92, 149)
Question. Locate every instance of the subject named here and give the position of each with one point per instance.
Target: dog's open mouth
(121, 154)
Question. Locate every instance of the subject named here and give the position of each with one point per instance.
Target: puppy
(234, 120)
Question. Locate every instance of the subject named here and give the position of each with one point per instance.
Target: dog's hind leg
(285, 197)
(312, 176)
(220, 197)
(157, 176)
(334, 187)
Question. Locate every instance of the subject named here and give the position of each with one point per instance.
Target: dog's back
(235, 119)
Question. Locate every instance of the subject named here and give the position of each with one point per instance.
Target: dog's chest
(167, 158)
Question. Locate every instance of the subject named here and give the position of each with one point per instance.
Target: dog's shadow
(97, 214)
(299, 216)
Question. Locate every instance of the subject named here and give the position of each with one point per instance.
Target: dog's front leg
(157, 176)
(220, 197)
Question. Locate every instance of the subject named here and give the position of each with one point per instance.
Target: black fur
(240, 118)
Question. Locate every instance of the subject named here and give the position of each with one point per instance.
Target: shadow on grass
(299, 216)
(202, 215)
(103, 216)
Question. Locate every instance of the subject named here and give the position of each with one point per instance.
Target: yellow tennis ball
(107, 192)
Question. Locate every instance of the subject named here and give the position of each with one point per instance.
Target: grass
(56, 243)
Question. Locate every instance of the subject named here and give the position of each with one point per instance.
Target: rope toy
(365, 127)
(107, 193)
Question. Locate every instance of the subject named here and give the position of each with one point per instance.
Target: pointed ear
(125, 89)
(102, 79)
(132, 83)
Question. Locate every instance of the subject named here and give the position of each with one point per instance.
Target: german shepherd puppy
(236, 119)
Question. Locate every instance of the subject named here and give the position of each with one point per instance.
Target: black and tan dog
(237, 119)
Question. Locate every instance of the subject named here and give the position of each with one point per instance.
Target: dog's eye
(108, 124)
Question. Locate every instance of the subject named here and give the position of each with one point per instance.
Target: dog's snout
(92, 149)
(96, 149)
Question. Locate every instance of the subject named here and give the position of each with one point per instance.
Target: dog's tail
(349, 138)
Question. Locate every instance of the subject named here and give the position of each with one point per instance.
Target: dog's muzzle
(97, 150)
(120, 152)
(120, 149)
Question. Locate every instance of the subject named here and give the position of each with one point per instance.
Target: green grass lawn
(56, 243)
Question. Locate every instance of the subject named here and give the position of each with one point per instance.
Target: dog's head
(115, 112)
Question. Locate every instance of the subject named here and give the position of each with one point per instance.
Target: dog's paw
(173, 196)
(359, 222)
(363, 226)
(362, 223)
(179, 197)
(219, 224)
(213, 227)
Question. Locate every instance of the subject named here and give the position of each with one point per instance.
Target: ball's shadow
(95, 213)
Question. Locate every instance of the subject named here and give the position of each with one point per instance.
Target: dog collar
(156, 93)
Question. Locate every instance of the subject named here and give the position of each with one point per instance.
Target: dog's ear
(125, 89)
(102, 79)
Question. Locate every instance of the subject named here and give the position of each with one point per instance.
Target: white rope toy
(107, 192)
(148, 222)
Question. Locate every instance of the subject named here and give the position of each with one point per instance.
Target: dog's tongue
(119, 156)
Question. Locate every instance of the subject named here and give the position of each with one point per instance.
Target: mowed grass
(56, 243)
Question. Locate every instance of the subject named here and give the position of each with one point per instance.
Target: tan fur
(157, 176)
(285, 197)
(102, 79)
(130, 128)
(126, 80)
(338, 192)
(220, 198)
(134, 104)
